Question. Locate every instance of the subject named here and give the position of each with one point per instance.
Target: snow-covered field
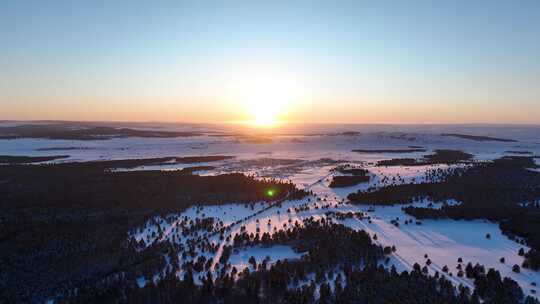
(305, 143)
(443, 241)
(307, 160)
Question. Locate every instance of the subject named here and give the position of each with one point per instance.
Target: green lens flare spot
(270, 192)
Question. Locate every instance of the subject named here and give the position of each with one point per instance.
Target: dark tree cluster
(83, 132)
(8, 159)
(491, 287)
(353, 176)
(318, 239)
(407, 162)
(448, 157)
(286, 282)
(477, 137)
(348, 180)
(504, 190)
(386, 151)
(132, 163)
(333, 253)
(346, 215)
(65, 226)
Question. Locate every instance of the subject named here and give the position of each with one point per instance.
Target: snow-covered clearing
(240, 259)
(443, 241)
(307, 158)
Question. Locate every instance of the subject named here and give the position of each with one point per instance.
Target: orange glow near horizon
(271, 63)
(263, 95)
(265, 111)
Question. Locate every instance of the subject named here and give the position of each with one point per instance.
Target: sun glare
(265, 109)
(265, 95)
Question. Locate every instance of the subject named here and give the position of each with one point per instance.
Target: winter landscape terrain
(297, 214)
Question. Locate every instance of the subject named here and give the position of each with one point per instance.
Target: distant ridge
(478, 138)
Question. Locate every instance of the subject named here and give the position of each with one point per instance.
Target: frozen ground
(306, 157)
(309, 142)
(443, 241)
(274, 253)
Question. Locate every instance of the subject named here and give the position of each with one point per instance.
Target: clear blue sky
(337, 61)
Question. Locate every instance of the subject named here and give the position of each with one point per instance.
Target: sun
(265, 95)
(264, 109)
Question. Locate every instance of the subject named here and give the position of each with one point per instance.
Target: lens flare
(270, 193)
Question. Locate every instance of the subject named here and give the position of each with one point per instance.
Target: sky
(302, 61)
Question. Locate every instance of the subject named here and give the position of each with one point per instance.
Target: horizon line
(279, 123)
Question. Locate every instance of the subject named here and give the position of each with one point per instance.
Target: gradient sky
(332, 61)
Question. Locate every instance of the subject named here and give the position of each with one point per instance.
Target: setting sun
(265, 94)
(270, 151)
(262, 116)
(265, 109)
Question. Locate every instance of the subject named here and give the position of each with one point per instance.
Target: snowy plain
(306, 157)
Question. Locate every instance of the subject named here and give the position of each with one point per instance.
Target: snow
(444, 241)
(141, 282)
(289, 143)
(272, 254)
(307, 160)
